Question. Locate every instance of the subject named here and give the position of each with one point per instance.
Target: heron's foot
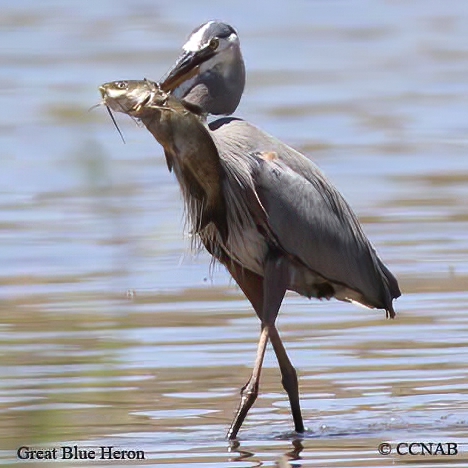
(299, 428)
(249, 394)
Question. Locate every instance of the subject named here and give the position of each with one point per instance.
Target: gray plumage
(287, 226)
(219, 82)
(300, 213)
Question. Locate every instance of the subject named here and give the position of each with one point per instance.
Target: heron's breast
(247, 246)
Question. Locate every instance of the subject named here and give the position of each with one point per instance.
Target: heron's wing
(307, 216)
(312, 222)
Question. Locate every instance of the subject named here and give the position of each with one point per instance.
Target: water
(112, 333)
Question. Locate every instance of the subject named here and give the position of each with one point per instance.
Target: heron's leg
(288, 373)
(252, 286)
(274, 288)
(249, 392)
(250, 283)
(288, 377)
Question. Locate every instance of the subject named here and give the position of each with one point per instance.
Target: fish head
(129, 96)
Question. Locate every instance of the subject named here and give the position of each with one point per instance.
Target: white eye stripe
(194, 42)
(231, 39)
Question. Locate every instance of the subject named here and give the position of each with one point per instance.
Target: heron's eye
(214, 43)
(121, 84)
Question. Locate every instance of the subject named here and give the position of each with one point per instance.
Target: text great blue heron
(296, 231)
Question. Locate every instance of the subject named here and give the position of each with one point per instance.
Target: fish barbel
(187, 144)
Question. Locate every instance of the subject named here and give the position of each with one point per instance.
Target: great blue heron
(210, 72)
(295, 230)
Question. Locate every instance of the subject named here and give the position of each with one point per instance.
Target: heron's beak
(185, 68)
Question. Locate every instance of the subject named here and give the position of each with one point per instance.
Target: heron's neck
(217, 88)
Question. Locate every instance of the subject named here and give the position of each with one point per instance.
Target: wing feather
(306, 214)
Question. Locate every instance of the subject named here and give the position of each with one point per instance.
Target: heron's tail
(392, 290)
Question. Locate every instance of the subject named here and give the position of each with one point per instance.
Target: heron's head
(210, 71)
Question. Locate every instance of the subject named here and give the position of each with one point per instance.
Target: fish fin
(169, 160)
